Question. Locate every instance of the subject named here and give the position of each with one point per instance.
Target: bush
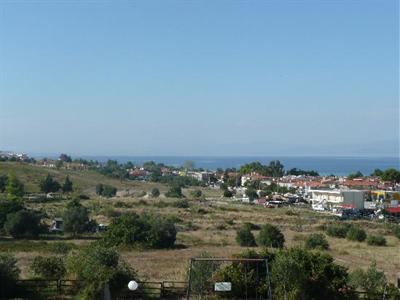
(23, 223)
(51, 267)
(155, 192)
(356, 233)
(175, 191)
(106, 190)
(295, 273)
(374, 283)
(196, 193)
(228, 194)
(376, 240)
(337, 230)
(182, 203)
(396, 231)
(316, 241)
(146, 230)
(8, 275)
(96, 265)
(244, 237)
(270, 236)
(61, 247)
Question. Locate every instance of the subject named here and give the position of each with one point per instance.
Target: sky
(200, 77)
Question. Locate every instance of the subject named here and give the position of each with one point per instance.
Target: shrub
(337, 230)
(61, 247)
(175, 191)
(95, 265)
(23, 223)
(51, 267)
(83, 197)
(376, 240)
(396, 231)
(316, 241)
(252, 226)
(106, 190)
(196, 193)
(8, 275)
(228, 194)
(155, 192)
(182, 203)
(373, 282)
(244, 237)
(356, 233)
(270, 236)
(146, 230)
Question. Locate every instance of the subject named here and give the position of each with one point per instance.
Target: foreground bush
(374, 283)
(295, 273)
(23, 223)
(270, 236)
(356, 233)
(96, 265)
(376, 240)
(8, 207)
(244, 237)
(52, 267)
(8, 275)
(317, 241)
(145, 230)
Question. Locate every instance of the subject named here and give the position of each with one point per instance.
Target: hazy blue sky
(200, 77)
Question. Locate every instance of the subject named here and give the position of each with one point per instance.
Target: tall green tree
(3, 183)
(49, 185)
(76, 218)
(67, 186)
(14, 189)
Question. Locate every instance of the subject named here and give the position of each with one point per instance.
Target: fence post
(162, 289)
(189, 279)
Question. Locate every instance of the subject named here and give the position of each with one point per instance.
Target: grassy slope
(84, 181)
(171, 264)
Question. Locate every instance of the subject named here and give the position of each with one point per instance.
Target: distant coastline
(325, 165)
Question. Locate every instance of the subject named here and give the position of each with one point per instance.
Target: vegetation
(274, 169)
(175, 191)
(96, 265)
(316, 241)
(106, 190)
(196, 193)
(356, 233)
(49, 185)
(14, 189)
(23, 223)
(374, 283)
(358, 174)
(8, 207)
(244, 236)
(155, 192)
(9, 273)
(270, 236)
(144, 230)
(67, 187)
(51, 267)
(76, 218)
(376, 240)
(297, 172)
(337, 230)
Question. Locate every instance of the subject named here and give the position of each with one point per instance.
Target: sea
(324, 165)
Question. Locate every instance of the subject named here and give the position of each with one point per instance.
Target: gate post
(189, 286)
